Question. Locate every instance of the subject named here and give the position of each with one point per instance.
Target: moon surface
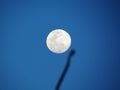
(58, 41)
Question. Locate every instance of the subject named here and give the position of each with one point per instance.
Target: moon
(58, 41)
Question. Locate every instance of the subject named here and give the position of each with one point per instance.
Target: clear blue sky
(27, 64)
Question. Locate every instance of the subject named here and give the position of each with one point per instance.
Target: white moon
(58, 41)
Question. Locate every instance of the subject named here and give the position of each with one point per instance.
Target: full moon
(58, 41)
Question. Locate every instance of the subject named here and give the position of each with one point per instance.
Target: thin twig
(65, 70)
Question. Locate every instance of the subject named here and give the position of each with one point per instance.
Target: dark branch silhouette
(65, 70)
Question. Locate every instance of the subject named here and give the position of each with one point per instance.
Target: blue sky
(27, 64)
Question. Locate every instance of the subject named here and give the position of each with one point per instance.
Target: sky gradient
(27, 64)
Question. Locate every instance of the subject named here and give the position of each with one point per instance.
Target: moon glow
(58, 41)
